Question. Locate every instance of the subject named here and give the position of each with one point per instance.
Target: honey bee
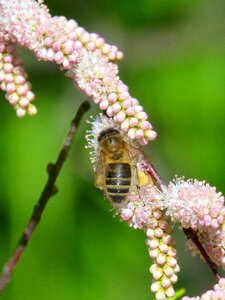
(116, 169)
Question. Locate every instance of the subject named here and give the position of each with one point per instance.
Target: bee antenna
(91, 119)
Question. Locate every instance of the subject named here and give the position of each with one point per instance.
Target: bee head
(110, 140)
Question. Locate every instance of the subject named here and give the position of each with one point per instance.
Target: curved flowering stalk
(13, 80)
(197, 205)
(154, 207)
(88, 59)
(163, 253)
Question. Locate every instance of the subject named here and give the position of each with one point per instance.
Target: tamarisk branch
(49, 191)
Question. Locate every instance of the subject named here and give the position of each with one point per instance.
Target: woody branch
(49, 191)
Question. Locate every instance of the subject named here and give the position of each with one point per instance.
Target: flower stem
(190, 234)
(49, 190)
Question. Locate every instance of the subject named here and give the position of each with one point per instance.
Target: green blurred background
(175, 64)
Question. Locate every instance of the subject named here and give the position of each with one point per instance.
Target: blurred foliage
(174, 63)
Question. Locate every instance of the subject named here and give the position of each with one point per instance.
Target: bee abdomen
(118, 181)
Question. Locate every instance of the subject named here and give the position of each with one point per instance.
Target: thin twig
(49, 190)
(190, 234)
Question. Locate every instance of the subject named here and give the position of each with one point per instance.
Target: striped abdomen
(118, 181)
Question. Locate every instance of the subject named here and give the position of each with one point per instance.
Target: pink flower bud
(30, 96)
(80, 31)
(142, 115)
(59, 57)
(163, 248)
(155, 286)
(11, 87)
(109, 111)
(126, 214)
(153, 253)
(150, 134)
(170, 292)
(130, 111)
(207, 220)
(150, 233)
(72, 58)
(8, 58)
(91, 46)
(153, 268)
(165, 282)
(9, 78)
(158, 214)
(66, 63)
(127, 103)
(125, 125)
(124, 95)
(77, 45)
(31, 110)
(20, 112)
(48, 42)
(153, 243)
(171, 261)
(173, 278)
(158, 232)
(24, 102)
(94, 36)
(112, 55)
(19, 79)
(104, 104)
(134, 102)
(100, 42)
(120, 55)
(116, 107)
(138, 108)
(139, 134)
(106, 48)
(214, 224)
(57, 46)
(85, 37)
(133, 122)
(157, 274)
(13, 98)
(68, 47)
(8, 67)
(168, 271)
(145, 125)
(131, 133)
(50, 55)
(160, 295)
(122, 87)
(120, 117)
(161, 259)
(112, 97)
(21, 90)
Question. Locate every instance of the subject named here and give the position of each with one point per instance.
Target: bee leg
(143, 179)
(100, 181)
(134, 180)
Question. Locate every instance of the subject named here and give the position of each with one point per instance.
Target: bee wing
(139, 177)
(134, 153)
(100, 172)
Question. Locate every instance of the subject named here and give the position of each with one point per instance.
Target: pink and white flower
(88, 59)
